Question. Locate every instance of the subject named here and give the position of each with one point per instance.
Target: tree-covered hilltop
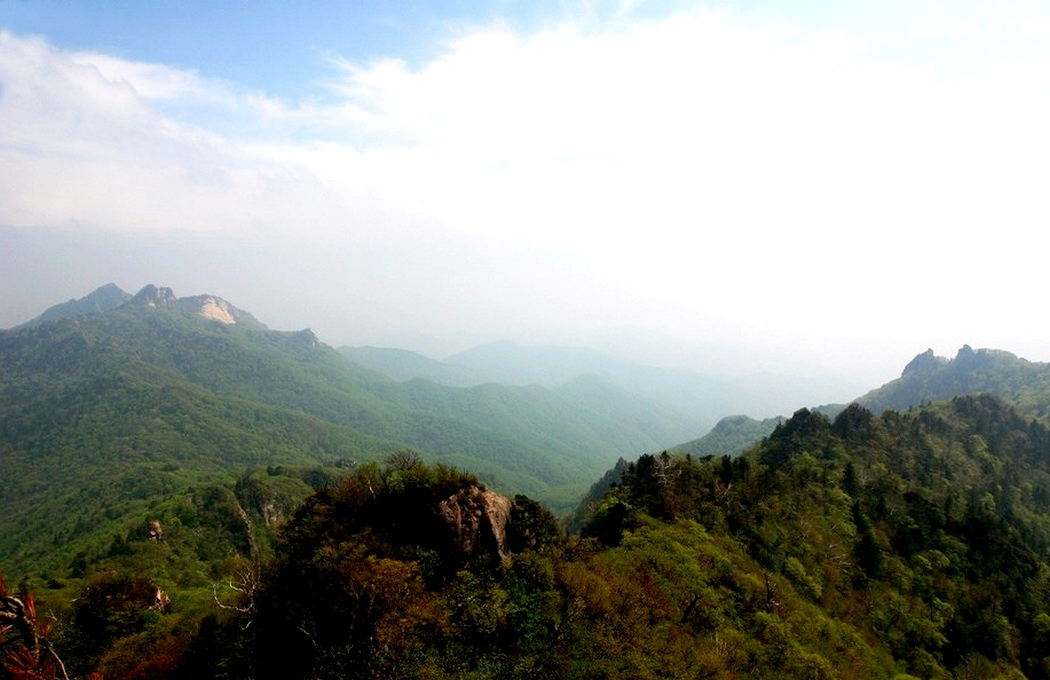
(926, 533)
(906, 545)
(102, 299)
(731, 436)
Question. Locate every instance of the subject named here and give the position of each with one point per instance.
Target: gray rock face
(152, 296)
(924, 362)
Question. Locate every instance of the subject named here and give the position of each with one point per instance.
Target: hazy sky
(849, 184)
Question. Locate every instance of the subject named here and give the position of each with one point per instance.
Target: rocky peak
(478, 519)
(151, 296)
(308, 338)
(922, 363)
(209, 307)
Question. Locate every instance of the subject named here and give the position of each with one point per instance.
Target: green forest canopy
(903, 545)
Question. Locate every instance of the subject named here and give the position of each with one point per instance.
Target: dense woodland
(908, 544)
(165, 516)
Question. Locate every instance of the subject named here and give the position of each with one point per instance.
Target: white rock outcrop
(217, 309)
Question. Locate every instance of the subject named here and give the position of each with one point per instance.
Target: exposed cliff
(479, 519)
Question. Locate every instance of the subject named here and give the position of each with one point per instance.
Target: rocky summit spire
(152, 296)
(926, 361)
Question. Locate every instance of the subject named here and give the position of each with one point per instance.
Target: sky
(737, 186)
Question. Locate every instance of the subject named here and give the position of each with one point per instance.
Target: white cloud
(150, 81)
(691, 165)
(697, 148)
(91, 147)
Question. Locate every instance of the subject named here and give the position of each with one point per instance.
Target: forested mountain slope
(730, 437)
(102, 299)
(906, 545)
(112, 405)
(154, 458)
(927, 533)
(927, 377)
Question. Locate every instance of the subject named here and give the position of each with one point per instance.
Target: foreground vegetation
(911, 544)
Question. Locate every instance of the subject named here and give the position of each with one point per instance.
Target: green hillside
(105, 410)
(186, 493)
(102, 299)
(925, 535)
(926, 378)
(931, 378)
(730, 437)
(907, 545)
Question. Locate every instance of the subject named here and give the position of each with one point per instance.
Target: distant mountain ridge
(403, 364)
(1023, 383)
(926, 378)
(700, 397)
(109, 297)
(102, 299)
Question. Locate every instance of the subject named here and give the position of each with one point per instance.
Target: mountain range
(119, 394)
(172, 471)
(702, 398)
(926, 378)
